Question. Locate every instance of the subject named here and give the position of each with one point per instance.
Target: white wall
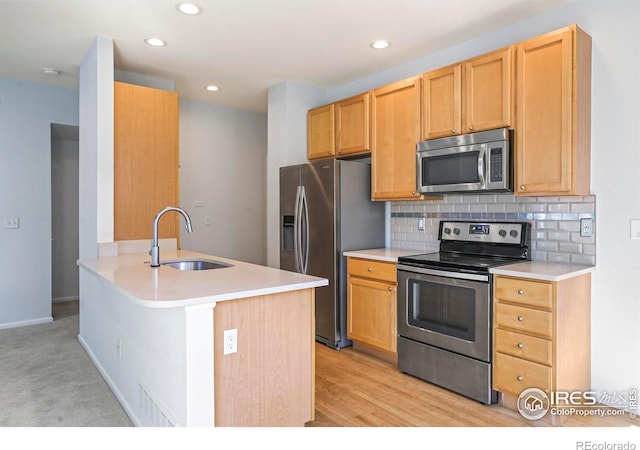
(223, 166)
(614, 26)
(64, 213)
(96, 147)
(27, 111)
(287, 145)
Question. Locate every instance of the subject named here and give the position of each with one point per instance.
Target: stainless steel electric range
(445, 304)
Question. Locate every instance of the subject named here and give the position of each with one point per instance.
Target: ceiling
(243, 46)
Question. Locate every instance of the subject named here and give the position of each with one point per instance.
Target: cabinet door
(442, 103)
(320, 132)
(371, 313)
(352, 125)
(488, 88)
(145, 160)
(553, 117)
(395, 122)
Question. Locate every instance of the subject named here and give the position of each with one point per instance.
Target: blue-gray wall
(27, 111)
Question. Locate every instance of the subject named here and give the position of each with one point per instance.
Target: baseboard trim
(26, 323)
(125, 405)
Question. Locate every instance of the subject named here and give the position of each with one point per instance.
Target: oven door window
(442, 308)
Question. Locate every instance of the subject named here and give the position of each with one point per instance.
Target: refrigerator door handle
(296, 230)
(305, 208)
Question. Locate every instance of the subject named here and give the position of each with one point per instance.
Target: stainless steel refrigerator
(325, 210)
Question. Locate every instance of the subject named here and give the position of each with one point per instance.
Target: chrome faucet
(155, 250)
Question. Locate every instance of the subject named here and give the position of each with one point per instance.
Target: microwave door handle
(482, 167)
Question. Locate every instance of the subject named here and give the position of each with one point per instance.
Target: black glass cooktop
(444, 260)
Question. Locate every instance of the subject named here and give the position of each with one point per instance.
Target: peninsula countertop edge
(164, 286)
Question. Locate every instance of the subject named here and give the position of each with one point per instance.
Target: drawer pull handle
(520, 319)
(369, 269)
(519, 378)
(520, 345)
(390, 289)
(520, 292)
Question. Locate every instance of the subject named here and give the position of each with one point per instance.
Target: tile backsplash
(555, 222)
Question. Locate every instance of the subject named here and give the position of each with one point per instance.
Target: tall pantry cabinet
(146, 160)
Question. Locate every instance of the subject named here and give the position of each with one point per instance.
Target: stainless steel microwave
(475, 162)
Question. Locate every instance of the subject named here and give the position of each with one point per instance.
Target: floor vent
(155, 415)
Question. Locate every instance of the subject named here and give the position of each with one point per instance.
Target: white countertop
(382, 254)
(164, 286)
(541, 270)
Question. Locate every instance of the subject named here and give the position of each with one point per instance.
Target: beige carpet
(47, 379)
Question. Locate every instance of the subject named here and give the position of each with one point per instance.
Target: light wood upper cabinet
(488, 91)
(145, 160)
(321, 132)
(470, 96)
(442, 102)
(553, 129)
(352, 125)
(395, 131)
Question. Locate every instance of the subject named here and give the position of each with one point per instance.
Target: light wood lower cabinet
(270, 380)
(542, 335)
(371, 307)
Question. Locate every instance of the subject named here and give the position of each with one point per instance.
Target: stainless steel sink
(196, 264)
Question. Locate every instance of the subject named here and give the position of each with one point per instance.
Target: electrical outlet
(230, 341)
(207, 220)
(421, 224)
(586, 227)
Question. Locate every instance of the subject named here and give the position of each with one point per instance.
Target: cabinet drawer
(524, 319)
(513, 375)
(527, 292)
(367, 268)
(527, 347)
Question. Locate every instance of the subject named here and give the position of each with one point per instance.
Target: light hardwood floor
(354, 389)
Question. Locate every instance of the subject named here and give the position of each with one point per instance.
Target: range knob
(502, 233)
(513, 233)
(456, 231)
(447, 231)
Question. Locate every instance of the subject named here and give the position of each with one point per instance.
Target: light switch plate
(421, 224)
(635, 228)
(11, 222)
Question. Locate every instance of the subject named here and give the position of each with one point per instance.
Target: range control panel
(486, 232)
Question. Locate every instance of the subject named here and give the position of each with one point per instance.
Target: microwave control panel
(495, 165)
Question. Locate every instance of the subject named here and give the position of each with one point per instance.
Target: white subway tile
(547, 246)
(445, 208)
(558, 207)
(505, 198)
(572, 225)
(588, 249)
(454, 199)
(582, 207)
(569, 247)
(496, 208)
(583, 259)
(558, 257)
(538, 256)
(535, 207)
(514, 207)
(464, 208)
(559, 235)
(546, 225)
(480, 207)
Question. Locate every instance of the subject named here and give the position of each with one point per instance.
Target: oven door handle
(444, 273)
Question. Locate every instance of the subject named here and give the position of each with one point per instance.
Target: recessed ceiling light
(155, 42)
(212, 88)
(51, 72)
(190, 9)
(378, 45)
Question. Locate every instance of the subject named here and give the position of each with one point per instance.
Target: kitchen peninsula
(162, 338)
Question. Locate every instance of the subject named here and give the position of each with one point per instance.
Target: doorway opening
(65, 145)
